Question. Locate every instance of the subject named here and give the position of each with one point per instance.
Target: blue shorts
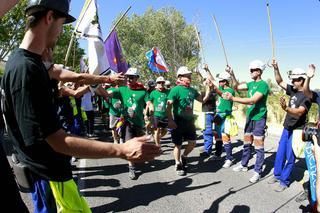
(255, 128)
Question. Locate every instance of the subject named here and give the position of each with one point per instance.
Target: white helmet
(297, 73)
(224, 76)
(160, 79)
(132, 71)
(183, 71)
(167, 83)
(257, 64)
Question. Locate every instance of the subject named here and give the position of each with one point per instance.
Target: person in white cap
(256, 116)
(224, 109)
(180, 117)
(158, 105)
(134, 97)
(297, 110)
(167, 85)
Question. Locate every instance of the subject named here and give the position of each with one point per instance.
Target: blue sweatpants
(285, 158)
(208, 136)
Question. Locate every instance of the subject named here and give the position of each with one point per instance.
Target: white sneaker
(255, 178)
(227, 164)
(240, 168)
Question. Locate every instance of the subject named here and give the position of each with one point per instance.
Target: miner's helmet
(60, 6)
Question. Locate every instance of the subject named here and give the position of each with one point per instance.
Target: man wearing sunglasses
(297, 110)
(256, 116)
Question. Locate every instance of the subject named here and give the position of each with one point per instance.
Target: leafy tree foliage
(165, 29)
(12, 29)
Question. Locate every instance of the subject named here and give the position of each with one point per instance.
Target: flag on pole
(83, 66)
(156, 61)
(88, 27)
(114, 53)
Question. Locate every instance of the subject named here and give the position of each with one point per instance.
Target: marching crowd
(46, 116)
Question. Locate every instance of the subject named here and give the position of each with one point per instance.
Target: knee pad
(248, 138)
(258, 142)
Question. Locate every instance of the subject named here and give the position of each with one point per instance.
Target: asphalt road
(206, 188)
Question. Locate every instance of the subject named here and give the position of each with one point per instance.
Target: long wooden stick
(199, 42)
(117, 23)
(220, 38)
(271, 33)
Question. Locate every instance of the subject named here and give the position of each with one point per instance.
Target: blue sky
(244, 28)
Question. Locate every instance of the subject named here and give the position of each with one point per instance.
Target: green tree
(12, 29)
(165, 29)
(62, 46)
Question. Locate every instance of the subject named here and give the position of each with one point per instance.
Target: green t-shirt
(115, 104)
(159, 100)
(225, 106)
(134, 102)
(259, 110)
(182, 98)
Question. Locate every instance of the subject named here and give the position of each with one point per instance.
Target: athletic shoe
(227, 164)
(132, 173)
(240, 168)
(255, 178)
(273, 180)
(281, 188)
(180, 170)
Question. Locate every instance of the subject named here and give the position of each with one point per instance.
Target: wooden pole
(271, 33)
(84, 9)
(220, 38)
(199, 42)
(117, 23)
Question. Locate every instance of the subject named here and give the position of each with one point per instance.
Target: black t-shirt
(297, 99)
(31, 116)
(210, 104)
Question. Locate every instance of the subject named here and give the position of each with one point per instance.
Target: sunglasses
(160, 82)
(254, 70)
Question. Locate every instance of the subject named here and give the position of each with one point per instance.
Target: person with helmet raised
(256, 116)
(32, 122)
(224, 109)
(181, 118)
(157, 106)
(297, 110)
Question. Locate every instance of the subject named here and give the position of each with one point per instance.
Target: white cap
(297, 73)
(183, 71)
(167, 83)
(224, 76)
(160, 79)
(257, 64)
(132, 71)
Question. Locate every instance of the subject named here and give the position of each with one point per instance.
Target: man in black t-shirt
(32, 122)
(297, 110)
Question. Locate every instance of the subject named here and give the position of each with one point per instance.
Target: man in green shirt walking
(133, 97)
(256, 116)
(157, 106)
(181, 118)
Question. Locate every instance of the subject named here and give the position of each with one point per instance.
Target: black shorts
(185, 131)
(130, 131)
(160, 122)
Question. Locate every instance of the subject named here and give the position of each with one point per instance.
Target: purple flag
(114, 53)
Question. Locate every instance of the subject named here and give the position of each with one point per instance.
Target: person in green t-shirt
(115, 112)
(224, 109)
(133, 97)
(256, 116)
(157, 107)
(181, 118)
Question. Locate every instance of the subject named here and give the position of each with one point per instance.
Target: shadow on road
(129, 198)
